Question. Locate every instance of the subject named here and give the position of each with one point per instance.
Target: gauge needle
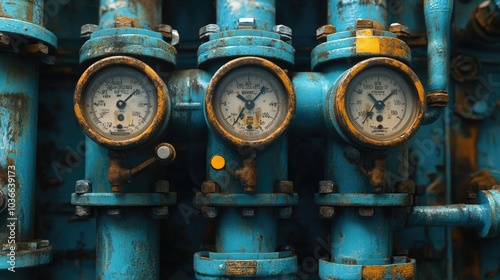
(369, 114)
(372, 97)
(132, 94)
(387, 97)
(239, 116)
(262, 90)
(240, 97)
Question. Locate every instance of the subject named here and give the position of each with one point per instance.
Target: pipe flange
(246, 200)
(364, 199)
(25, 254)
(399, 269)
(123, 199)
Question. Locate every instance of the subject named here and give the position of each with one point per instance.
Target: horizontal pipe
(455, 215)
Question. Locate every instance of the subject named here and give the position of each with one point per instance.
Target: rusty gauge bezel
(159, 116)
(274, 72)
(350, 129)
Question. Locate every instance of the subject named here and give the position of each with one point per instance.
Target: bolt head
(285, 187)
(364, 24)
(164, 29)
(366, 211)
(323, 31)
(399, 29)
(162, 186)
(160, 212)
(209, 187)
(284, 31)
(83, 211)
(208, 29)
(247, 23)
(209, 212)
(87, 29)
(175, 37)
(326, 212)
(4, 39)
(123, 22)
(352, 154)
(326, 187)
(83, 186)
(163, 152)
(248, 212)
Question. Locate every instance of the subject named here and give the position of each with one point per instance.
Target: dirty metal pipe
(144, 13)
(438, 20)
(25, 10)
(18, 126)
(343, 13)
(457, 215)
(230, 11)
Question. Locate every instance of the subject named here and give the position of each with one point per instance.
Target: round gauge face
(250, 103)
(119, 103)
(380, 103)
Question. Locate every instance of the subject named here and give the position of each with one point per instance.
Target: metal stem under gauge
(250, 102)
(120, 102)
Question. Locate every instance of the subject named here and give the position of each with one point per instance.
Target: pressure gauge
(120, 102)
(379, 103)
(250, 102)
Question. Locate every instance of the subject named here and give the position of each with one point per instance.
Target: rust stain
(401, 271)
(13, 118)
(241, 268)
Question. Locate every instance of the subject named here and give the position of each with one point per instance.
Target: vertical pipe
(356, 239)
(343, 13)
(18, 126)
(25, 10)
(229, 11)
(145, 13)
(127, 248)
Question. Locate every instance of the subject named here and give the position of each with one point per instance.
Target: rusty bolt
(38, 48)
(406, 186)
(366, 211)
(83, 186)
(364, 24)
(209, 211)
(4, 39)
(326, 187)
(83, 211)
(123, 22)
(284, 187)
(323, 31)
(209, 187)
(285, 212)
(207, 30)
(246, 23)
(247, 212)
(162, 186)
(352, 154)
(87, 29)
(285, 32)
(165, 30)
(401, 31)
(115, 213)
(326, 212)
(160, 212)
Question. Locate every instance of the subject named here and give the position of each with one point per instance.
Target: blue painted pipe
(229, 11)
(18, 126)
(343, 13)
(145, 13)
(438, 21)
(25, 10)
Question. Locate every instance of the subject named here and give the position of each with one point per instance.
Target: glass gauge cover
(250, 105)
(120, 105)
(381, 105)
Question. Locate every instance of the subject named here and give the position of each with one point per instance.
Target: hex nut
(4, 39)
(326, 212)
(285, 32)
(83, 186)
(207, 30)
(124, 22)
(83, 211)
(209, 211)
(284, 187)
(246, 23)
(164, 29)
(364, 24)
(352, 155)
(209, 187)
(87, 29)
(401, 31)
(162, 186)
(326, 187)
(323, 31)
(366, 211)
(175, 37)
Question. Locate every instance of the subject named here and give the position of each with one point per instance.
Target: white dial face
(250, 103)
(380, 103)
(120, 103)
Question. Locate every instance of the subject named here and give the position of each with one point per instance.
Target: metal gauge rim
(159, 118)
(346, 124)
(272, 69)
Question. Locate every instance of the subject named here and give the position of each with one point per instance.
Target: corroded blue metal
(344, 13)
(364, 199)
(237, 43)
(229, 11)
(121, 199)
(400, 269)
(256, 200)
(146, 13)
(128, 41)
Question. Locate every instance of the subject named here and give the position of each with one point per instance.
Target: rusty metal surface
(144, 13)
(346, 124)
(162, 110)
(273, 69)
